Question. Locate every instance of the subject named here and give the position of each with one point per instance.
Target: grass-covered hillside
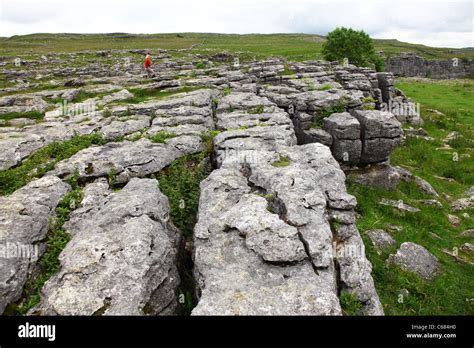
(291, 46)
(448, 165)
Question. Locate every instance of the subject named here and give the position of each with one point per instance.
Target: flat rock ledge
(275, 231)
(121, 259)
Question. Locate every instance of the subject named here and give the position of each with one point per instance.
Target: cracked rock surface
(263, 241)
(24, 221)
(121, 258)
(127, 159)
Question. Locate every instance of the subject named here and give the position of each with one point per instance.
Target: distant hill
(292, 46)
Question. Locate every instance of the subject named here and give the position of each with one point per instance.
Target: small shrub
(354, 45)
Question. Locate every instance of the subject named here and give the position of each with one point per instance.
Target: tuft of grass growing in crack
(44, 160)
(259, 109)
(350, 305)
(180, 183)
(286, 71)
(201, 65)
(56, 240)
(161, 137)
(227, 91)
(283, 161)
(340, 106)
(325, 87)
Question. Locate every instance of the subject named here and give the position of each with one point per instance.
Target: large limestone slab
(24, 222)
(121, 259)
(345, 130)
(127, 159)
(248, 260)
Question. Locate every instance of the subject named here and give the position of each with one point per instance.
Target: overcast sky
(440, 23)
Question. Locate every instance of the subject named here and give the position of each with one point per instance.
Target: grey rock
(431, 202)
(246, 244)
(380, 239)
(76, 82)
(70, 94)
(415, 258)
(117, 96)
(462, 204)
(467, 233)
(381, 133)
(383, 176)
(316, 135)
(265, 233)
(425, 186)
(130, 125)
(24, 223)
(127, 159)
(345, 131)
(121, 259)
(467, 247)
(470, 193)
(22, 103)
(454, 220)
(245, 101)
(400, 205)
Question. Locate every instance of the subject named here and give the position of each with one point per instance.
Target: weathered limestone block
(121, 259)
(24, 222)
(346, 133)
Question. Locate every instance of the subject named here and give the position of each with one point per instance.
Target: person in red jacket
(147, 64)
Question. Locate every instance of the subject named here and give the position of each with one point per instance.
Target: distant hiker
(147, 65)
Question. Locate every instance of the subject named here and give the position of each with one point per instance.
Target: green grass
(447, 293)
(283, 161)
(292, 46)
(180, 183)
(56, 240)
(286, 71)
(141, 94)
(350, 305)
(325, 87)
(161, 137)
(340, 106)
(34, 115)
(259, 109)
(43, 160)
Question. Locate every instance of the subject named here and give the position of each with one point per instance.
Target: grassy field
(291, 46)
(450, 292)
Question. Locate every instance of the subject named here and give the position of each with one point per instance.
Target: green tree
(356, 46)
